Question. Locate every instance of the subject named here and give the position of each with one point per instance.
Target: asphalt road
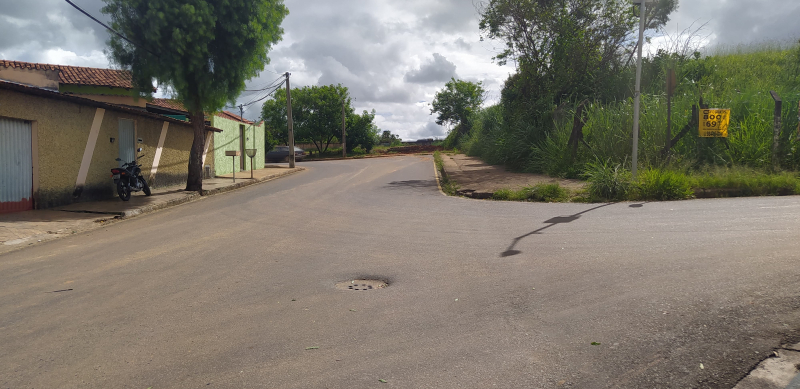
(238, 291)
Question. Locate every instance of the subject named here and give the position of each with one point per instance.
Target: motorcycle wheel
(145, 187)
(123, 190)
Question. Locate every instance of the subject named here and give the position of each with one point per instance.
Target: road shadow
(511, 251)
(412, 184)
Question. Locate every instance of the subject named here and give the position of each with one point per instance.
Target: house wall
(41, 78)
(105, 94)
(228, 140)
(63, 132)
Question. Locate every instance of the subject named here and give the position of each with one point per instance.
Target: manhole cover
(362, 285)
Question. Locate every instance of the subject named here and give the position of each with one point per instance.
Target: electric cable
(110, 29)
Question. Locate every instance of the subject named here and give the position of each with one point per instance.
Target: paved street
(238, 291)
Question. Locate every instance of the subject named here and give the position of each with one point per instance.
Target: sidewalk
(22, 229)
(479, 180)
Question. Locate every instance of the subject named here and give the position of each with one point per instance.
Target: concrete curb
(196, 196)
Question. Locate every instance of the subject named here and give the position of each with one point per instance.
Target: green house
(238, 134)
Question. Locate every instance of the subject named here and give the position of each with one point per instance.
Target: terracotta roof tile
(169, 103)
(78, 75)
(231, 116)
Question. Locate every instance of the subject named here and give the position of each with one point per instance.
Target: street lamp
(638, 91)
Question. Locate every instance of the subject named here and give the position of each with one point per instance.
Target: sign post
(234, 154)
(714, 123)
(637, 95)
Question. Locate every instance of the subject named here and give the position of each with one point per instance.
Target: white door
(16, 166)
(127, 141)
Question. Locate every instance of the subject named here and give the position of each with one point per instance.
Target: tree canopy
(317, 117)
(565, 51)
(362, 131)
(201, 50)
(457, 102)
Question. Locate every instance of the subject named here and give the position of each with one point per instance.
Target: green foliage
(608, 181)
(457, 102)
(449, 187)
(565, 51)
(361, 132)
(273, 112)
(316, 114)
(657, 184)
(739, 79)
(390, 139)
(202, 50)
(742, 181)
(548, 193)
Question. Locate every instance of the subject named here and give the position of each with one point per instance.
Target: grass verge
(548, 193)
(448, 187)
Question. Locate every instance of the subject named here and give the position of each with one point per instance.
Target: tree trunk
(194, 182)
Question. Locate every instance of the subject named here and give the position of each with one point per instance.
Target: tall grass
(739, 78)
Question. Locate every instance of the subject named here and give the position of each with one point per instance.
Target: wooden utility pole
(671, 81)
(344, 140)
(776, 129)
(291, 124)
(637, 94)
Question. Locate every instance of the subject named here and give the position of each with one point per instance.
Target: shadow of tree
(511, 251)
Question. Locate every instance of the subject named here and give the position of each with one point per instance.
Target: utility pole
(289, 116)
(637, 95)
(344, 140)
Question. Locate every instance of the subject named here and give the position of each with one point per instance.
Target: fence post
(776, 129)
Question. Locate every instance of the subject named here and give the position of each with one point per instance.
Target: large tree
(201, 50)
(316, 114)
(456, 103)
(361, 131)
(565, 51)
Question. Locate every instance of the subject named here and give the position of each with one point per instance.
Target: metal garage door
(16, 166)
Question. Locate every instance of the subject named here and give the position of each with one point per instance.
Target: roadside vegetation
(449, 187)
(568, 110)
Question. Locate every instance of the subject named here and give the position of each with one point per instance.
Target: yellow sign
(714, 123)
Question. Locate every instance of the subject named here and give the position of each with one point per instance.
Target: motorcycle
(128, 178)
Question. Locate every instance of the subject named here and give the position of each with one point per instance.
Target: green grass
(742, 181)
(547, 193)
(657, 184)
(739, 78)
(608, 181)
(449, 187)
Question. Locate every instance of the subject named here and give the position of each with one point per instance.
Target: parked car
(281, 154)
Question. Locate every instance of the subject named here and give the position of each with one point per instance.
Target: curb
(196, 196)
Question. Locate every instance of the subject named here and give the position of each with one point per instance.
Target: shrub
(549, 193)
(656, 184)
(608, 181)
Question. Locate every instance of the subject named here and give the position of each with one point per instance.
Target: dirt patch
(478, 179)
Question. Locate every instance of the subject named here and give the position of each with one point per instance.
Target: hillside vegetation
(737, 78)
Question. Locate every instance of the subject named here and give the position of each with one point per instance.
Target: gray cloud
(429, 130)
(437, 70)
(369, 46)
(732, 22)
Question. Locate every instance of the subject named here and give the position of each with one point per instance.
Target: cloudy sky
(393, 55)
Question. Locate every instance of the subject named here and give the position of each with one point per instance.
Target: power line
(267, 95)
(109, 28)
(270, 85)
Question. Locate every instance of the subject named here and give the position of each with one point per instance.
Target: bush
(608, 181)
(548, 193)
(741, 181)
(656, 184)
